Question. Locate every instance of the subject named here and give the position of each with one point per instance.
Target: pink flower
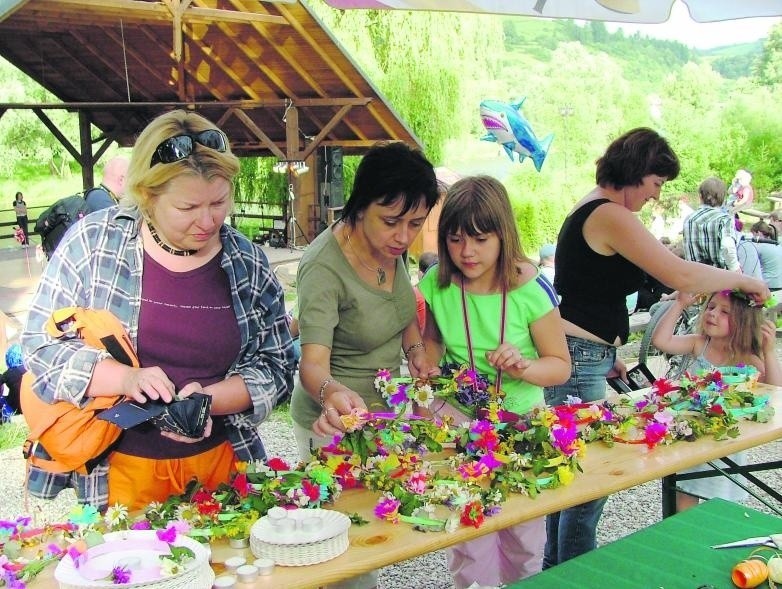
(564, 438)
(473, 470)
(417, 483)
(400, 396)
(311, 490)
(168, 535)
(387, 508)
(141, 525)
(655, 432)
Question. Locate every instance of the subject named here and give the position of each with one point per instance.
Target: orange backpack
(64, 437)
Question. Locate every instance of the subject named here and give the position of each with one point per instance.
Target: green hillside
(734, 61)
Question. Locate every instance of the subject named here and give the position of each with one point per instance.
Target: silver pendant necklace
(380, 271)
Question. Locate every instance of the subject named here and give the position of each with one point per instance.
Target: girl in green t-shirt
(489, 307)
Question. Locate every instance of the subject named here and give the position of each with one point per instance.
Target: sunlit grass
(12, 434)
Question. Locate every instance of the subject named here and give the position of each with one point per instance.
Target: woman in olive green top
(356, 304)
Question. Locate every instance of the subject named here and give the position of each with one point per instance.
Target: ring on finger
(327, 409)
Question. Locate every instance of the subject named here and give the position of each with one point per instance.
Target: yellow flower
(241, 466)
(581, 444)
(565, 475)
(547, 418)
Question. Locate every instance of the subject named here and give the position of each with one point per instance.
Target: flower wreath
(459, 385)
(708, 403)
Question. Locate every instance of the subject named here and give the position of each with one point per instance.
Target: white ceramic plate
(138, 550)
(333, 523)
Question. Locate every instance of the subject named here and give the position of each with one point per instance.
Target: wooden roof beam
(138, 59)
(256, 130)
(344, 78)
(156, 11)
(241, 104)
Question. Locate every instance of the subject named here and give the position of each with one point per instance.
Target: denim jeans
(573, 531)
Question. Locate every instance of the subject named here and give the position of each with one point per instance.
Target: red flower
(311, 490)
(345, 475)
(472, 514)
(202, 496)
(208, 508)
(277, 464)
(664, 386)
(241, 486)
(717, 409)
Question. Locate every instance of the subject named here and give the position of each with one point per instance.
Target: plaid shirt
(709, 238)
(99, 265)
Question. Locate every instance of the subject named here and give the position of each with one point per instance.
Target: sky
(680, 27)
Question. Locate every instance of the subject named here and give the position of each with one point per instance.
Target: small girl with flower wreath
(488, 307)
(730, 332)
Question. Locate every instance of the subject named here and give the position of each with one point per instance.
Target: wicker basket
(123, 546)
(304, 544)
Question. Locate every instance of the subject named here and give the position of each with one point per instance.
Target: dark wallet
(639, 377)
(186, 417)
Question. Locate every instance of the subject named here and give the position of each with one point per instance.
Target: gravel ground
(625, 512)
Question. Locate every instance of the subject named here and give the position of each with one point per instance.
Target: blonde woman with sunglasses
(199, 302)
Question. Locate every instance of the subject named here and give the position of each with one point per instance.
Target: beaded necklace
(165, 247)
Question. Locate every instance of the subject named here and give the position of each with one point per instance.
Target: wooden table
(606, 471)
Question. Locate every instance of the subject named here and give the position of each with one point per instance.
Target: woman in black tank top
(603, 252)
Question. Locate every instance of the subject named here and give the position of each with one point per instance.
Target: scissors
(773, 541)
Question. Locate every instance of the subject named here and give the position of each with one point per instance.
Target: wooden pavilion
(265, 71)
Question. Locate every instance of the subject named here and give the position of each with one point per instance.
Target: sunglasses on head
(179, 147)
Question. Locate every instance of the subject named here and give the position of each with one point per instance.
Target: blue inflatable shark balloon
(508, 127)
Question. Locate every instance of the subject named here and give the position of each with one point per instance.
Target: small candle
(284, 526)
(224, 582)
(234, 562)
(311, 524)
(131, 563)
(238, 542)
(265, 566)
(277, 513)
(247, 573)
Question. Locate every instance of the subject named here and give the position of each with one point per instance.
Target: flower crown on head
(742, 296)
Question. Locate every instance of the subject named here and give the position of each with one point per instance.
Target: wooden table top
(606, 471)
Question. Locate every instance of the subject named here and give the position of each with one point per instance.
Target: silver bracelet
(414, 346)
(322, 390)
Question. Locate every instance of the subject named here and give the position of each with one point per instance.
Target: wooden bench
(777, 200)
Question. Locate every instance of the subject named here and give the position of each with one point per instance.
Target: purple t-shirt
(187, 327)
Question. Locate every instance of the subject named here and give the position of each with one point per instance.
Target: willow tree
(419, 61)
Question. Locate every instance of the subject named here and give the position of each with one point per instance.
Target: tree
(24, 139)
(768, 68)
(419, 61)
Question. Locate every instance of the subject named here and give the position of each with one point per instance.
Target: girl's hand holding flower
(509, 359)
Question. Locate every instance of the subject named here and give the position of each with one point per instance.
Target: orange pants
(136, 482)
